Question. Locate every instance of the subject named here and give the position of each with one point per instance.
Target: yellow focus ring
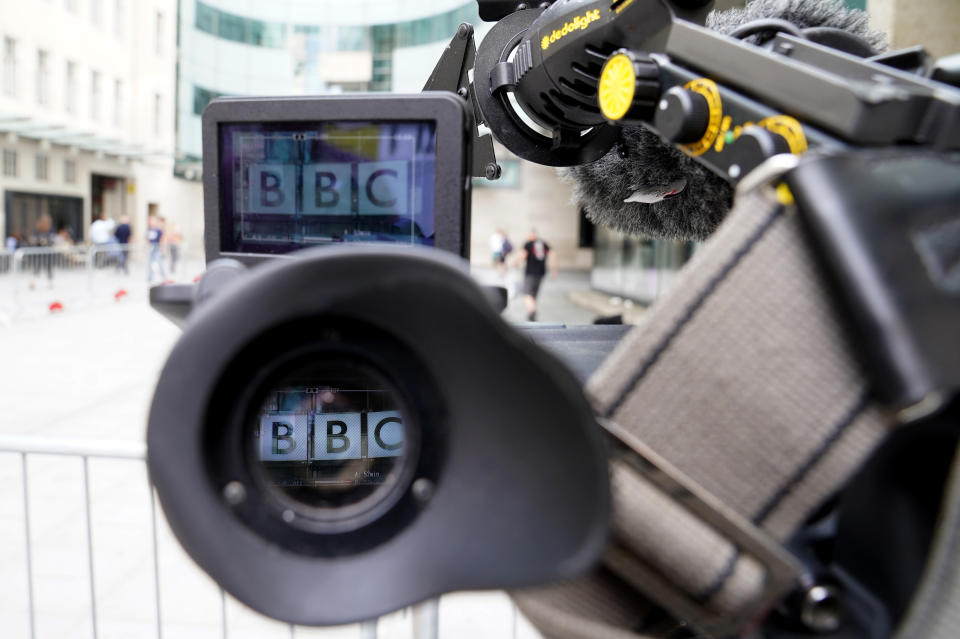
(616, 88)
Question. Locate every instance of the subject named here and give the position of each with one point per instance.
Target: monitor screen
(286, 186)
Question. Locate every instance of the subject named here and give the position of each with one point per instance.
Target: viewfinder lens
(332, 441)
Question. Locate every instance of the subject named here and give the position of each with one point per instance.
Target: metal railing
(425, 625)
(25, 446)
(33, 278)
(48, 261)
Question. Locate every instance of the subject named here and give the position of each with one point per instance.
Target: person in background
(174, 240)
(537, 255)
(43, 237)
(155, 242)
(122, 234)
(63, 240)
(496, 250)
(101, 234)
(11, 244)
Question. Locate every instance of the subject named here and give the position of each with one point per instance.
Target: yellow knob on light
(617, 85)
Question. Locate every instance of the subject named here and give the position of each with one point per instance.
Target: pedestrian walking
(500, 248)
(537, 256)
(155, 244)
(122, 234)
(174, 239)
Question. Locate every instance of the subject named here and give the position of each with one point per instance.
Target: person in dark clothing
(43, 237)
(122, 234)
(537, 257)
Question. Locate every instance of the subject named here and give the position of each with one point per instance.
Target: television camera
(346, 401)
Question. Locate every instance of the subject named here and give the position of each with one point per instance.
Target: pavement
(565, 299)
(86, 373)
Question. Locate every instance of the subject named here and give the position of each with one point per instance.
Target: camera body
(323, 416)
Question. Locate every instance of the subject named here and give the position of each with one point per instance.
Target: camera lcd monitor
(291, 185)
(282, 174)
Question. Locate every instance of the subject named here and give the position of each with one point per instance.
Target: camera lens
(332, 443)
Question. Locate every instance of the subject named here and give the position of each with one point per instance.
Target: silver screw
(235, 493)
(423, 489)
(289, 516)
(734, 170)
(663, 105)
(820, 610)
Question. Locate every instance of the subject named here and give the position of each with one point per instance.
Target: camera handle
(452, 73)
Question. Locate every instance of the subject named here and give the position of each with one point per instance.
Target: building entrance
(24, 209)
(106, 196)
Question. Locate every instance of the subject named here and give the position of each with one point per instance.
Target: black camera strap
(744, 382)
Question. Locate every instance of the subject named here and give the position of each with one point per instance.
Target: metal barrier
(46, 260)
(424, 617)
(36, 280)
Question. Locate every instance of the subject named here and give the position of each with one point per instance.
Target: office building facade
(86, 122)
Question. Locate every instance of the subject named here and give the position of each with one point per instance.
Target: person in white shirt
(101, 230)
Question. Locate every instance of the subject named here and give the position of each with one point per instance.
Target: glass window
(258, 30)
(118, 18)
(9, 66)
(69, 171)
(201, 98)
(238, 28)
(70, 87)
(231, 27)
(40, 166)
(274, 35)
(353, 39)
(157, 114)
(158, 33)
(206, 20)
(95, 95)
(43, 76)
(10, 163)
(117, 102)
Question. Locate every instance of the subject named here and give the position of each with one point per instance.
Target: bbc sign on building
(330, 436)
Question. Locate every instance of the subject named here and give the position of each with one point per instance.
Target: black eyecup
(520, 494)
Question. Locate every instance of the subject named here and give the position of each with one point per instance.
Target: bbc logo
(334, 436)
(330, 188)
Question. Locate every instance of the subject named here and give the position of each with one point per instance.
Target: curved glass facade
(238, 28)
(231, 26)
(227, 53)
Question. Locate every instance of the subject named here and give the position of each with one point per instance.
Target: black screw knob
(682, 116)
(754, 145)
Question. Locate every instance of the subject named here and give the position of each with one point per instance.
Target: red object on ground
(56, 307)
(197, 278)
(119, 295)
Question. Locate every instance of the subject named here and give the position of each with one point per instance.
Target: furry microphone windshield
(647, 187)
